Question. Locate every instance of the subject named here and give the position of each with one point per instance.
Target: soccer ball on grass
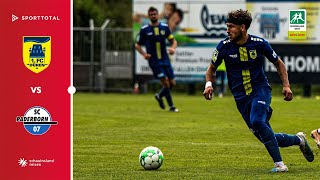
(151, 158)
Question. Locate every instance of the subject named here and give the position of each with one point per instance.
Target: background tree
(118, 11)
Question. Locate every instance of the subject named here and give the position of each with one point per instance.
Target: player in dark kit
(244, 55)
(154, 36)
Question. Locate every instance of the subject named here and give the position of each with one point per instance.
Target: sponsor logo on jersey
(233, 55)
(215, 55)
(274, 54)
(253, 54)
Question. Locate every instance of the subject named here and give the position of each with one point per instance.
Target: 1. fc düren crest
(36, 52)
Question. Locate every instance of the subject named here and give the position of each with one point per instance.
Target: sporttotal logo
(35, 18)
(36, 120)
(14, 18)
(297, 24)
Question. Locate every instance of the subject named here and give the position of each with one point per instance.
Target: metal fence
(102, 59)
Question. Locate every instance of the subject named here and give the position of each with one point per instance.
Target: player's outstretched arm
(282, 71)
(210, 77)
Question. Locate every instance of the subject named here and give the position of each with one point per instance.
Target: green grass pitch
(205, 140)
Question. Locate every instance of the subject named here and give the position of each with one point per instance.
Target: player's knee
(258, 117)
(165, 82)
(172, 83)
(258, 124)
(166, 85)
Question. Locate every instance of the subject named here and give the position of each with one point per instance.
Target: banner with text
(202, 22)
(302, 62)
(188, 62)
(271, 21)
(197, 33)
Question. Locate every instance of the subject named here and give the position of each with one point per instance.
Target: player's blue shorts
(162, 71)
(256, 107)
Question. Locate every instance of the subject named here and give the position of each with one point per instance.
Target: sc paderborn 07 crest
(36, 120)
(36, 52)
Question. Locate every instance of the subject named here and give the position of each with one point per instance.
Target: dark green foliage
(118, 11)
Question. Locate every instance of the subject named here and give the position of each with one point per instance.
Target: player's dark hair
(240, 17)
(152, 9)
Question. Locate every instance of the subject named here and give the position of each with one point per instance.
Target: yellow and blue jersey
(154, 38)
(244, 64)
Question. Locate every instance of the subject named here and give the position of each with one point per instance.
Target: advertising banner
(271, 21)
(35, 76)
(203, 26)
(188, 62)
(302, 62)
(197, 32)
